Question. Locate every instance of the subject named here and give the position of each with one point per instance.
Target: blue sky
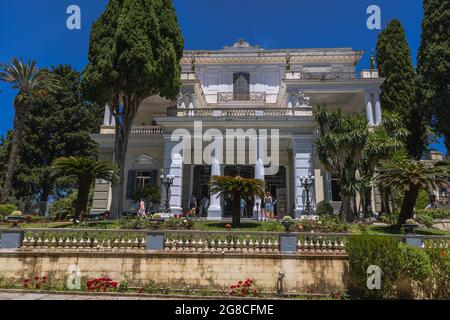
(37, 29)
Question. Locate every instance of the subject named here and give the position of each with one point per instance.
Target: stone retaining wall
(303, 273)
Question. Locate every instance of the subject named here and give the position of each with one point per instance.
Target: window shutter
(153, 176)
(131, 183)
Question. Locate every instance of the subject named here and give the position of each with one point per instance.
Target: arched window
(241, 86)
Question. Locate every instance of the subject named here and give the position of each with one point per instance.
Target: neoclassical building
(244, 89)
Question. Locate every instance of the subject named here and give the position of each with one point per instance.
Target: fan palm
(238, 188)
(85, 171)
(411, 176)
(31, 82)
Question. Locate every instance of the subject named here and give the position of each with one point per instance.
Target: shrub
(367, 250)
(425, 219)
(389, 218)
(439, 255)
(178, 224)
(415, 264)
(323, 224)
(435, 213)
(7, 209)
(324, 208)
(422, 199)
(133, 223)
(63, 208)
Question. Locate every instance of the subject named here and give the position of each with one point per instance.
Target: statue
(193, 62)
(288, 61)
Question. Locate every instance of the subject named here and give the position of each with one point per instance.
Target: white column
(107, 116)
(378, 118)
(303, 161)
(184, 101)
(369, 108)
(173, 165)
(259, 174)
(215, 209)
(289, 103)
(191, 104)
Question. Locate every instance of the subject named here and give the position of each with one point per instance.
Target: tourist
(268, 207)
(243, 207)
(193, 202)
(141, 212)
(444, 195)
(204, 205)
(432, 200)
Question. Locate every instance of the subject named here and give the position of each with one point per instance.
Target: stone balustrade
(146, 130)
(240, 112)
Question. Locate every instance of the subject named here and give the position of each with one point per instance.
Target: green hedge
(6, 210)
(435, 213)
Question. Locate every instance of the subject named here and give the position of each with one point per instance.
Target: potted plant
(15, 217)
(287, 222)
(410, 226)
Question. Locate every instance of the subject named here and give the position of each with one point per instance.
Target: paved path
(45, 296)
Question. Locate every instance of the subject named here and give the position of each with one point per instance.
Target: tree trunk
(19, 122)
(347, 208)
(408, 204)
(84, 186)
(367, 208)
(124, 123)
(236, 209)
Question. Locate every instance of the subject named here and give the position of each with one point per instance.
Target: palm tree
(31, 82)
(382, 142)
(85, 171)
(410, 176)
(238, 188)
(340, 149)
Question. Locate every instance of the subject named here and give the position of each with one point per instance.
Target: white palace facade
(244, 87)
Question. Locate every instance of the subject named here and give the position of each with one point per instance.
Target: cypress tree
(398, 91)
(134, 52)
(433, 65)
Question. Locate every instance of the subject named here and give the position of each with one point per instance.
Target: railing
(84, 239)
(239, 112)
(194, 241)
(146, 130)
(322, 76)
(227, 97)
(250, 242)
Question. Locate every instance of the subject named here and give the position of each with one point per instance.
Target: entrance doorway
(202, 176)
(276, 185)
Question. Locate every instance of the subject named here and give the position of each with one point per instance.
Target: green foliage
(150, 193)
(135, 48)
(177, 224)
(415, 264)
(425, 219)
(389, 218)
(7, 209)
(133, 223)
(411, 176)
(433, 66)
(439, 255)
(58, 125)
(323, 224)
(435, 213)
(367, 250)
(324, 208)
(398, 91)
(422, 199)
(63, 208)
(85, 171)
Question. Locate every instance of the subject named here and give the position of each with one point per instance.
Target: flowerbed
(245, 288)
(102, 285)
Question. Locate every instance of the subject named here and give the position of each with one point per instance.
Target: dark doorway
(241, 86)
(276, 185)
(202, 176)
